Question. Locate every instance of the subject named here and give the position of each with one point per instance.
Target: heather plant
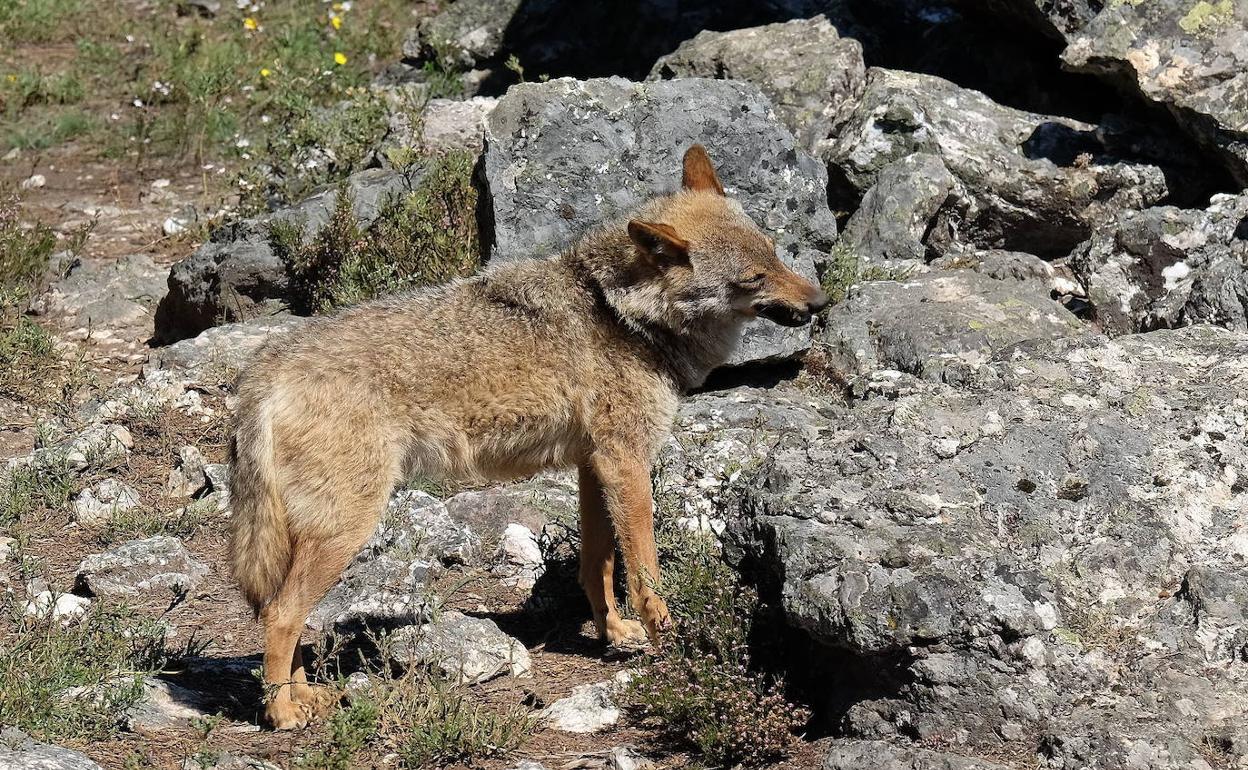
(700, 685)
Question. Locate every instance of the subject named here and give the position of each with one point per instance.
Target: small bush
(27, 490)
(699, 685)
(841, 271)
(24, 255)
(351, 729)
(424, 238)
(107, 651)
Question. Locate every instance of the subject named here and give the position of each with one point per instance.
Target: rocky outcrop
(1166, 267)
(567, 155)
(1046, 555)
(939, 325)
(899, 210)
(387, 583)
(810, 73)
(1030, 182)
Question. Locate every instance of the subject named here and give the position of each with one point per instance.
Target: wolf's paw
(288, 715)
(624, 635)
(318, 699)
(655, 616)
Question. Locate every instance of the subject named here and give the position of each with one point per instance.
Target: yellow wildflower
(12, 78)
(250, 24)
(336, 21)
(340, 58)
(265, 72)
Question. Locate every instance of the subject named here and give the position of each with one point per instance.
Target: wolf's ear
(659, 243)
(699, 172)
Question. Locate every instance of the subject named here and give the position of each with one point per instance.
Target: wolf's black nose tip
(818, 302)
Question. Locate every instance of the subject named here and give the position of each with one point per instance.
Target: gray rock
(237, 276)
(533, 504)
(1012, 559)
(164, 705)
(809, 72)
(938, 325)
(464, 35)
(463, 649)
(225, 761)
(19, 751)
(94, 506)
(95, 446)
(880, 755)
(137, 567)
(589, 709)
(898, 211)
(519, 560)
(1033, 183)
(221, 350)
(188, 478)
(1166, 267)
(452, 124)
(566, 155)
(387, 582)
(107, 297)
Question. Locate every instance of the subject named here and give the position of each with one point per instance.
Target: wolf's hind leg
(315, 567)
(598, 565)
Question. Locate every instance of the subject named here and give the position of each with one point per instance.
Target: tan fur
(575, 360)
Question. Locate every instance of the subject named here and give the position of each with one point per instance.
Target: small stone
(518, 559)
(590, 708)
(173, 226)
(63, 607)
(465, 649)
(34, 182)
(165, 705)
(95, 506)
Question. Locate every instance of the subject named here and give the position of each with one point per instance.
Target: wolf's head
(700, 259)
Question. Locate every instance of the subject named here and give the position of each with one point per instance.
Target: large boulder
(811, 74)
(564, 156)
(895, 219)
(938, 325)
(1166, 267)
(238, 275)
(1049, 557)
(1034, 183)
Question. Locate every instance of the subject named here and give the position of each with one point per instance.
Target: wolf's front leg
(626, 491)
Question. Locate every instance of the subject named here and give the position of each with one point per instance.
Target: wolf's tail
(260, 545)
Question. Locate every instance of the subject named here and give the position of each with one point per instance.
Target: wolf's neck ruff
(689, 345)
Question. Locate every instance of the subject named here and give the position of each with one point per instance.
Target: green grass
(423, 238)
(27, 490)
(108, 650)
(168, 85)
(141, 522)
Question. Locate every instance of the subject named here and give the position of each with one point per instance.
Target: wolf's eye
(752, 281)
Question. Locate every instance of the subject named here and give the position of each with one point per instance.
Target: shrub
(423, 238)
(699, 685)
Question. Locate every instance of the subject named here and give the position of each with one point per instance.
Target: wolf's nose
(818, 302)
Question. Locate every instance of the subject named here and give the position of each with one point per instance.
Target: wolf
(572, 361)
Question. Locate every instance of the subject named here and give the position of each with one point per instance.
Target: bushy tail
(260, 541)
